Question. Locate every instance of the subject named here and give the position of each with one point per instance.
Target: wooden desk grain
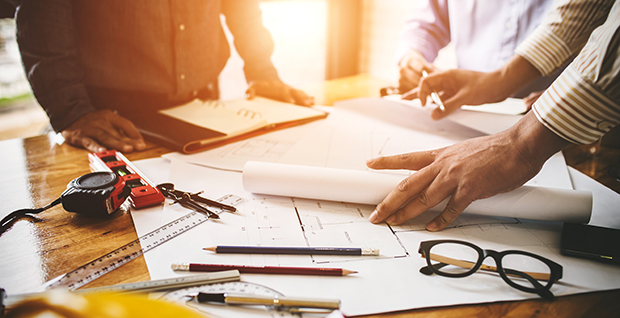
(35, 171)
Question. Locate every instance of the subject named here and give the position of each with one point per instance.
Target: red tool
(143, 192)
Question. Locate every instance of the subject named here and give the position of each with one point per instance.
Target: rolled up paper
(371, 187)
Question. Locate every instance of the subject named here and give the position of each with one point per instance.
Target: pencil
(192, 267)
(435, 96)
(294, 250)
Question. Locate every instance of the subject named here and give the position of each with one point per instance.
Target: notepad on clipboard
(200, 125)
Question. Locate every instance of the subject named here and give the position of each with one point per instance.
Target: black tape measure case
(97, 193)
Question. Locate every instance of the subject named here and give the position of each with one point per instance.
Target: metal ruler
(121, 256)
(170, 283)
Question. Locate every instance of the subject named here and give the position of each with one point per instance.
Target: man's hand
(103, 129)
(278, 91)
(459, 87)
(411, 67)
(456, 88)
(467, 171)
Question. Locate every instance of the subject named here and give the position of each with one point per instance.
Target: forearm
(517, 73)
(252, 40)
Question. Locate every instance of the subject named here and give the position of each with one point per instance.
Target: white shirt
(485, 33)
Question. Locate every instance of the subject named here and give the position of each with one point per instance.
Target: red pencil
(262, 269)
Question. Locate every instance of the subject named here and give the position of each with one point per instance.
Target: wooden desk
(35, 171)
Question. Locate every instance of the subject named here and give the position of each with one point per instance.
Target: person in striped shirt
(579, 107)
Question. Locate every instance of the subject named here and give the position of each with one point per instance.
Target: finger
(409, 79)
(411, 95)
(250, 93)
(129, 130)
(424, 90)
(285, 95)
(113, 141)
(91, 145)
(425, 199)
(456, 205)
(75, 138)
(408, 188)
(410, 161)
(450, 104)
(302, 98)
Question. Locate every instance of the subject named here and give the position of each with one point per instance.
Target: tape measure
(121, 256)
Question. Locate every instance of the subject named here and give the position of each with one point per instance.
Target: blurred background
(315, 40)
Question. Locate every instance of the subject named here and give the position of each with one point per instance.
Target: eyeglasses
(522, 270)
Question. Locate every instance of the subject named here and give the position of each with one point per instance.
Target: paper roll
(370, 187)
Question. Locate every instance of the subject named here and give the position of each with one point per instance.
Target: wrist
(534, 141)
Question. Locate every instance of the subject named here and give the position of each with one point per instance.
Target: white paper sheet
(268, 220)
(475, 117)
(355, 131)
(369, 187)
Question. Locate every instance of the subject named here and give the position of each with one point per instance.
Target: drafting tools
(193, 201)
(363, 251)
(143, 191)
(263, 269)
(113, 260)
(170, 283)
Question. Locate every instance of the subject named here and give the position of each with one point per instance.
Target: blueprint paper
(355, 131)
(271, 220)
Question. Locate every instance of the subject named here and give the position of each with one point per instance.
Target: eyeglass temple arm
(467, 264)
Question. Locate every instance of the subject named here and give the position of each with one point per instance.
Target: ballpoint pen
(435, 96)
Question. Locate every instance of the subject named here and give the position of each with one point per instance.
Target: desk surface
(35, 171)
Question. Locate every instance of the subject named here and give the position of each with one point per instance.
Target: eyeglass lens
(453, 258)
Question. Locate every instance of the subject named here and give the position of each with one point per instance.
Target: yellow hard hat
(57, 303)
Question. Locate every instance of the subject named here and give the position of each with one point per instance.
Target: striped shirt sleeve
(563, 33)
(584, 102)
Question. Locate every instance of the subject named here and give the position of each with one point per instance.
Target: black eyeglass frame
(542, 291)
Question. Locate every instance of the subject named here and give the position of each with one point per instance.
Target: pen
(364, 251)
(278, 301)
(435, 96)
(192, 267)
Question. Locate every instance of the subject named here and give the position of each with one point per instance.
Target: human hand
(463, 87)
(278, 91)
(104, 129)
(467, 171)
(457, 87)
(410, 68)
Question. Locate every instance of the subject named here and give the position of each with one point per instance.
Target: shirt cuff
(544, 50)
(576, 110)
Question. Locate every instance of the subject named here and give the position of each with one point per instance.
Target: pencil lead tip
(212, 249)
